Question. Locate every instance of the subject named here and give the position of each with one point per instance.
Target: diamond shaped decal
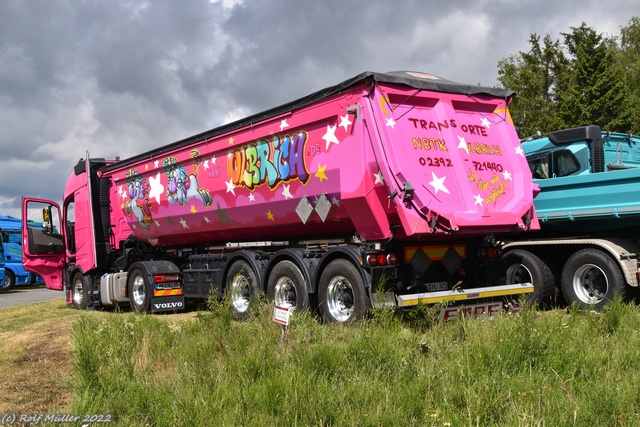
(420, 262)
(451, 260)
(304, 209)
(323, 206)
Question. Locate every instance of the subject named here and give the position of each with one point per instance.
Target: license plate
(437, 286)
(474, 311)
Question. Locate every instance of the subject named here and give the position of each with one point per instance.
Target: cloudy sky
(119, 77)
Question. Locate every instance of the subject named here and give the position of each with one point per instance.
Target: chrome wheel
(240, 293)
(285, 293)
(78, 291)
(340, 298)
(138, 290)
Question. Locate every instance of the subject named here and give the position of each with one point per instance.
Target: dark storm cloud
(120, 77)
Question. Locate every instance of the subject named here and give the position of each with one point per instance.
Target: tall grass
(536, 369)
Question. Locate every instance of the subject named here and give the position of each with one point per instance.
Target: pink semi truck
(390, 188)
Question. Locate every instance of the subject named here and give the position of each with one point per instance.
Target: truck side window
(565, 163)
(539, 165)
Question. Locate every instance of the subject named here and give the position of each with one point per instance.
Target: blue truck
(13, 272)
(588, 206)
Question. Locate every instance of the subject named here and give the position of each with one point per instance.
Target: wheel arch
(256, 260)
(308, 266)
(349, 253)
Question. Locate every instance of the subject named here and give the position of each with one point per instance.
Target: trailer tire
(287, 286)
(9, 280)
(591, 278)
(139, 290)
(241, 288)
(524, 267)
(341, 293)
(78, 291)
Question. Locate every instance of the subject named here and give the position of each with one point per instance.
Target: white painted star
(330, 136)
(252, 198)
(507, 175)
(479, 200)
(184, 223)
(156, 223)
(463, 144)
(391, 123)
(283, 124)
(206, 164)
(345, 122)
(213, 160)
(230, 187)
(519, 151)
(134, 227)
(486, 123)
(207, 220)
(335, 201)
(438, 183)
(379, 178)
(156, 163)
(156, 188)
(286, 192)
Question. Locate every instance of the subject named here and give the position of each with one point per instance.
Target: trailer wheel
(341, 293)
(241, 288)
(287, 287)
(591, 278)
(9, 280)
(139, 290)
(526, 267)
(78, 291)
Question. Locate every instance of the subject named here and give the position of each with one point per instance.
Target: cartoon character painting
(182, 186)
(139, 204)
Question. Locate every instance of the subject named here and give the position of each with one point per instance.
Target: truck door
(43, 249)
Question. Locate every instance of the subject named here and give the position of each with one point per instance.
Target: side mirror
(46, 219)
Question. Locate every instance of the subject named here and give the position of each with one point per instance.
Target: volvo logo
(178, 304)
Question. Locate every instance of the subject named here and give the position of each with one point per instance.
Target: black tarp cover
(414, 79)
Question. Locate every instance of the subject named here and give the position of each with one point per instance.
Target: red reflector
(382, 259)
(392, 259)
(491, 252)
(163, 278)
(372, 260)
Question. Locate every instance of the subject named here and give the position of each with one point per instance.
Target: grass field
(560, 367)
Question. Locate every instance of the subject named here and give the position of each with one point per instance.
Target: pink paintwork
(351, 154)
(402, 155)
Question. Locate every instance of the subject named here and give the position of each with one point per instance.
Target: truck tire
(78, 291)
(591, 278)
(241, 288)
(9, 280)
(287, 286)
(341, 293)
(526, 267)
(139, 290)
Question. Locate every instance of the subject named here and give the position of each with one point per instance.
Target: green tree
(628, 59)
(584, 79)
(590, 90)
(533, 76)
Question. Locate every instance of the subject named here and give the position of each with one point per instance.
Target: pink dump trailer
(388, 187)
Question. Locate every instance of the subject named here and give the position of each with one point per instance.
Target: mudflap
(164, 304)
